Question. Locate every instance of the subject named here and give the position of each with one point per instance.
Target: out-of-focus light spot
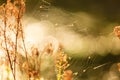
(84, 70)
(89, 57)
(42, 78)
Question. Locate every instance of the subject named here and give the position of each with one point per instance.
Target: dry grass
(12, 44)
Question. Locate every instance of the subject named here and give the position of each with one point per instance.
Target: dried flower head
(67, 75)
(35, 51)
(49, 48)
(118, 67)
(25, 66)
(117, 31)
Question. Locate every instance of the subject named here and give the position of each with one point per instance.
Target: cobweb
(94, 67)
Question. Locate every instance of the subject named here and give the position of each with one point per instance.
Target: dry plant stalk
(11, 32)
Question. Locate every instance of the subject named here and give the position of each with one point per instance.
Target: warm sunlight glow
(34, 33)
(42, 78)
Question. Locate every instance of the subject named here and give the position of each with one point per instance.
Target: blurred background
(84, 28)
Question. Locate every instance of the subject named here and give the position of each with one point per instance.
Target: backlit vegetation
(13, 64)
